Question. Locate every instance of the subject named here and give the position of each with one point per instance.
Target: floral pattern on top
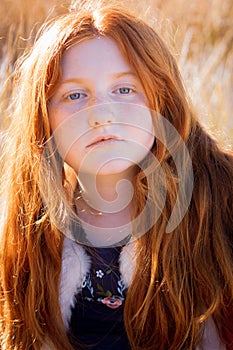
(104, 285)
(99, 273)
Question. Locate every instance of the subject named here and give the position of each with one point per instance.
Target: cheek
(72, 149)
(141, 138)
(56, 117)
(68, 132)
(140, 143)
(60, 114)
(140, 130)
(137, 119)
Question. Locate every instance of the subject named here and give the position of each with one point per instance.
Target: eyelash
(124, 88)
(68, 97)
(74, 96)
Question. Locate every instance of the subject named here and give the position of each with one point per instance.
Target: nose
(100, 115)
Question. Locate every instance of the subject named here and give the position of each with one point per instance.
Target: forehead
(99, 54)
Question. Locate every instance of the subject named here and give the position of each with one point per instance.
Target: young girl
(103, 150)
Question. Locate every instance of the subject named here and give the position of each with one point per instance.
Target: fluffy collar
(75, 265)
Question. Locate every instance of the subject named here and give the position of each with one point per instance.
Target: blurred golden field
(199, 33)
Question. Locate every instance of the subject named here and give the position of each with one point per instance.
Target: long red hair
(183, 277)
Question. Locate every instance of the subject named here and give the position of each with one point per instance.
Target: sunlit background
(199, 33)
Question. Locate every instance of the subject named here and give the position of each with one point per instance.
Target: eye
(124, 91)
(75, 96)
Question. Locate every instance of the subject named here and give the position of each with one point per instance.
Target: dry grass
(199, 33)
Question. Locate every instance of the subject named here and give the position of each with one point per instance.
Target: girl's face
(98, 114)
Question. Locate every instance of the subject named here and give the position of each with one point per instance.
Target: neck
(107, 193)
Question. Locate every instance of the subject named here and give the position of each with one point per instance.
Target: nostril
(96, 121)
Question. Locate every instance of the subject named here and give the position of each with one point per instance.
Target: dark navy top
(97, 318)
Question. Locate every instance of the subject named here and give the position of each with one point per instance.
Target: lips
(102, 140)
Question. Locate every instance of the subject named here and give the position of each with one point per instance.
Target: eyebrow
(119, 75)
(81, 80)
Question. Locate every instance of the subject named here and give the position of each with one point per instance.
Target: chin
(114, 167)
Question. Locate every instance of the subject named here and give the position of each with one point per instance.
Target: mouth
(103, 140)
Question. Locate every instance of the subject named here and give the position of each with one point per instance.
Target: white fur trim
(127, 263)
(75, 265)
(211, 340)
